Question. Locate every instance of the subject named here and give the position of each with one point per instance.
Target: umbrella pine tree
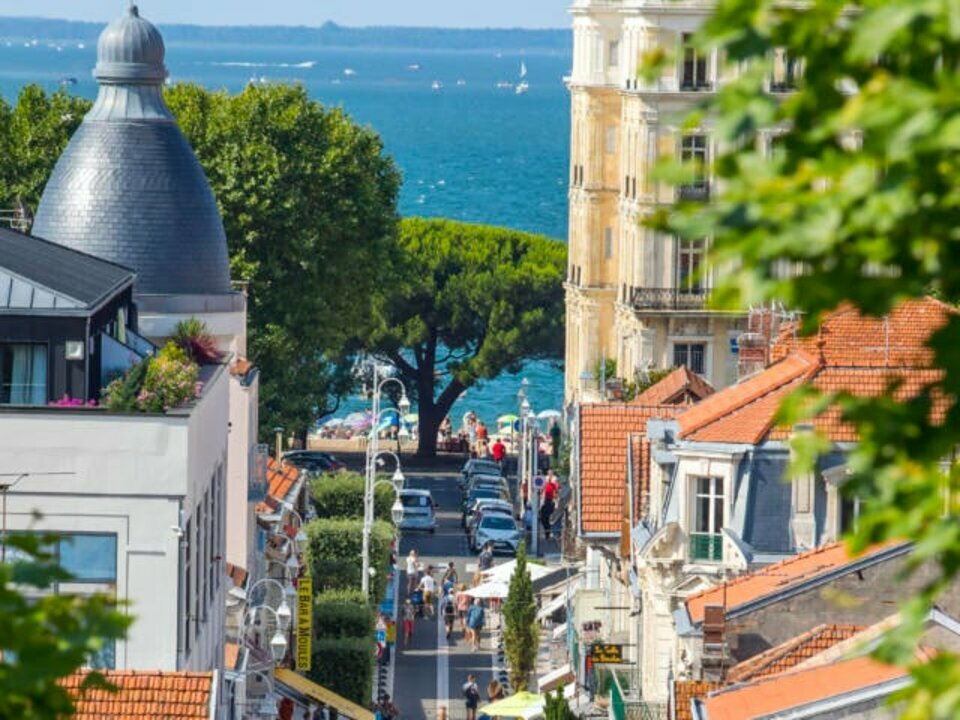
(521, 633)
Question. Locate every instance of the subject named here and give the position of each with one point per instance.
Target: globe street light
(284, 614)
(396, 483)
(278, 643)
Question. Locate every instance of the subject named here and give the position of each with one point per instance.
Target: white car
(500, 530)
(418, 511)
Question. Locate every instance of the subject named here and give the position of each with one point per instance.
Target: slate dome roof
(129, 188)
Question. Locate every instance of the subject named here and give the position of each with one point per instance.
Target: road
(430, 673)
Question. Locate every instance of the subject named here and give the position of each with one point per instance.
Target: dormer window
(705, 538)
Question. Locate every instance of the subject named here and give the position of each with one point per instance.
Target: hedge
(340, 495)
(342, 614)
(344, 665)
(333, 554)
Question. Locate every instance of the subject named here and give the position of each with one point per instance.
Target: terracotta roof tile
(799, 687)
(787, 655)
(847, 337)
(686, 690)
(851, 353)
(231, 653)
(604, 430)
(237, 574)
(143, 694)
(280, 480)
(776, 578)
(241, 366)
(681, 387)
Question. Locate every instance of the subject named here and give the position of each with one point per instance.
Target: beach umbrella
(549, 415)
(333, 422)
(523, 704)
(358, 420)
(506, 419)
(493, 589)
(503, 573)
(411, 418)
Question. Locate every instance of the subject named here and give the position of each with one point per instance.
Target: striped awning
(319, 693)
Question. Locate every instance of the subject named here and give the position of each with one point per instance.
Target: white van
(419, 511)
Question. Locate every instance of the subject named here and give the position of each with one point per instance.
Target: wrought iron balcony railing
(699, 191)
(669, 298)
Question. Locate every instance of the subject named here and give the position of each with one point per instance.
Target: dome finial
(130, 51)
(133, 10)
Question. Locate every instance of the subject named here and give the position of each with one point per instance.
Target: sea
(469, 147)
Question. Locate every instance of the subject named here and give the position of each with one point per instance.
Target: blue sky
(442, 13)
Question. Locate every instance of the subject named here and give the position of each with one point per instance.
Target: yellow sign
(603, 653)
(304, 622)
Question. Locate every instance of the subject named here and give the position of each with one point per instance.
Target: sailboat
(522, 86)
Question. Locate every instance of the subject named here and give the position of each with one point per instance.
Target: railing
(699, 191)
(704, 546)
(669, 298)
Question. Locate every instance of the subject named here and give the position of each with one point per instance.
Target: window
(690, 355)
(849, 513)
(89, 558)
(613, 53)
(188, 600)
(693, 153)
(705, 538)
(607, 243)
(611, 139)
(693, 73)
(23, 374)
(200, 552)
(786, 72)
(211, 525)
(690, 255)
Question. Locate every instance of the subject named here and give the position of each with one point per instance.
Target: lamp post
(278, 643)
(529, 452)
(373, 454)
(278, 433)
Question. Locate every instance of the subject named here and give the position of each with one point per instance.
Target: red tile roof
(237, 574)
(799, 687)
(241, 366)
(143, 694)
(774, 579)
(604, 430)
(686, 690)
(231, 653)
(279, 483)
(791, 653)
(681, 387)
(851, 353)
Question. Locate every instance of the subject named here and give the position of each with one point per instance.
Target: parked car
(485, 507)
(485, 481)
(313, 461)
(499, 529)
(481, 493)
(477, 466)
(419, 511)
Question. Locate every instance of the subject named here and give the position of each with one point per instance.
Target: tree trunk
(432, 412)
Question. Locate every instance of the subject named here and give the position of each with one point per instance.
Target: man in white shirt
(428, 586)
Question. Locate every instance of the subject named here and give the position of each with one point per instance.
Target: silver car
(419, 511)
(498, 529)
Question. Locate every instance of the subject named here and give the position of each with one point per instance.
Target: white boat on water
(504, 84)
(414, 67)
(461, 82)
(436, 86)
(349, 72)
(523, 85)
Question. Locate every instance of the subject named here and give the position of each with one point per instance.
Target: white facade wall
(241, 517)
(138, 476)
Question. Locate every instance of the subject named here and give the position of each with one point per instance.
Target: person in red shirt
(499, 451)
(550, 487)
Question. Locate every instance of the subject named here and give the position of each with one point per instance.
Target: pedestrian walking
(409, 613)
(450, 574)
(471, 696)
(484, 562)
(498, 451)
(551, 487)
(428, 586)
(449, 611)
(546, 517)
(495, 690)
(463, 604)
(475, 619)
(412, 572)
(385, 709)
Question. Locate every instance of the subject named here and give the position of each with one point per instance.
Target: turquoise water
(468, 150)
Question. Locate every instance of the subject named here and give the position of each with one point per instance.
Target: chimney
(754, 344)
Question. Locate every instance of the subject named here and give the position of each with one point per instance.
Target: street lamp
(396, 483)
(278, 643)
(283, 612)
(301, 536)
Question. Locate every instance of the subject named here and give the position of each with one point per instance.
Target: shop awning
(563, 675)
(559, 631)
(326, 697)
(551, 607)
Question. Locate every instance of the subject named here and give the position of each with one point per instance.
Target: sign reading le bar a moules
(304, 622)
(603, 653)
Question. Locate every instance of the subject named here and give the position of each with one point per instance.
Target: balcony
(705, 546)
(696, 191)
(669, 298)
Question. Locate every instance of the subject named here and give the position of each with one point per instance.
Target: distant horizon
(360, 14)
(498, 28)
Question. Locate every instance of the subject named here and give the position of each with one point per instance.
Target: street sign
(538, 482)
(606, 654)
(304, 622)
